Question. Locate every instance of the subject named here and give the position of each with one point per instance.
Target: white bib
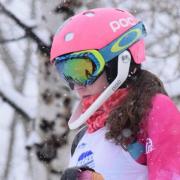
(110, 160)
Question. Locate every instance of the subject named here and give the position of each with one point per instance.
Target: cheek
(98, 88)
(88, 91)
(83, 92)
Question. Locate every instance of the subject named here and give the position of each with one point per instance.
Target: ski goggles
(84, 67)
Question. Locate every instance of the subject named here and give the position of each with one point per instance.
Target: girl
(132, 128)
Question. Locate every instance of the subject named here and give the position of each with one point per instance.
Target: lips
(86, 96)
(79, 87)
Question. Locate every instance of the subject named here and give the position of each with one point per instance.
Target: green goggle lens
(76, 70)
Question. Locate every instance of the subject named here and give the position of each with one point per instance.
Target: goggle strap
(138, 30)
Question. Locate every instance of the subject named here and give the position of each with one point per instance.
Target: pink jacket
(163, 139)
(163, 142)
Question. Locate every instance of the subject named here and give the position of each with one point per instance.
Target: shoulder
(164, 116)
(163, 105)
(162, 100)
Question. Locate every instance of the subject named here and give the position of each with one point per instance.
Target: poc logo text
(114, 88)
(122, 22)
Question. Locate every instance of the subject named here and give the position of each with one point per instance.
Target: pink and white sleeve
(163, 142)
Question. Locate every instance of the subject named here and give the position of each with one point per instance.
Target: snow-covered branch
(18, 102)
(2, 41)
(43, 47)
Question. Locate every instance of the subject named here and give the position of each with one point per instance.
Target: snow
(31, 84)
(34, 138)
(21, 102)
(19, 165)
(27, 102)
(5, 74)
(173, 88)
(6, 114)
(6, 81)
(28, 99)
(6, 117)
(20, 8)
(166, 74)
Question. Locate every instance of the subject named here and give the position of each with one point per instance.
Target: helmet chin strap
(124, 60)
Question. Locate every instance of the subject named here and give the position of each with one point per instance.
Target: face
(97, 87)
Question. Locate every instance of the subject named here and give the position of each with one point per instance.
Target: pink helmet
(95, 29)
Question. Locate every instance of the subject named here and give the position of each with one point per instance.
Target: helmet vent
(69, 36)
(89, 13)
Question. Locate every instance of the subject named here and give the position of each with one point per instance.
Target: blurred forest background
(35, 104)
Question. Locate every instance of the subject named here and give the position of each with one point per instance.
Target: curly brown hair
(124, 123)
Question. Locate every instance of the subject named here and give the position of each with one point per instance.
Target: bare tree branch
(3, 41)
(14, 106)
(67, 7)
(20, 86)
(43, 47)
(10, 149)
(7, 57)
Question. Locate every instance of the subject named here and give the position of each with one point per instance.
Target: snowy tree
(35, 104)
